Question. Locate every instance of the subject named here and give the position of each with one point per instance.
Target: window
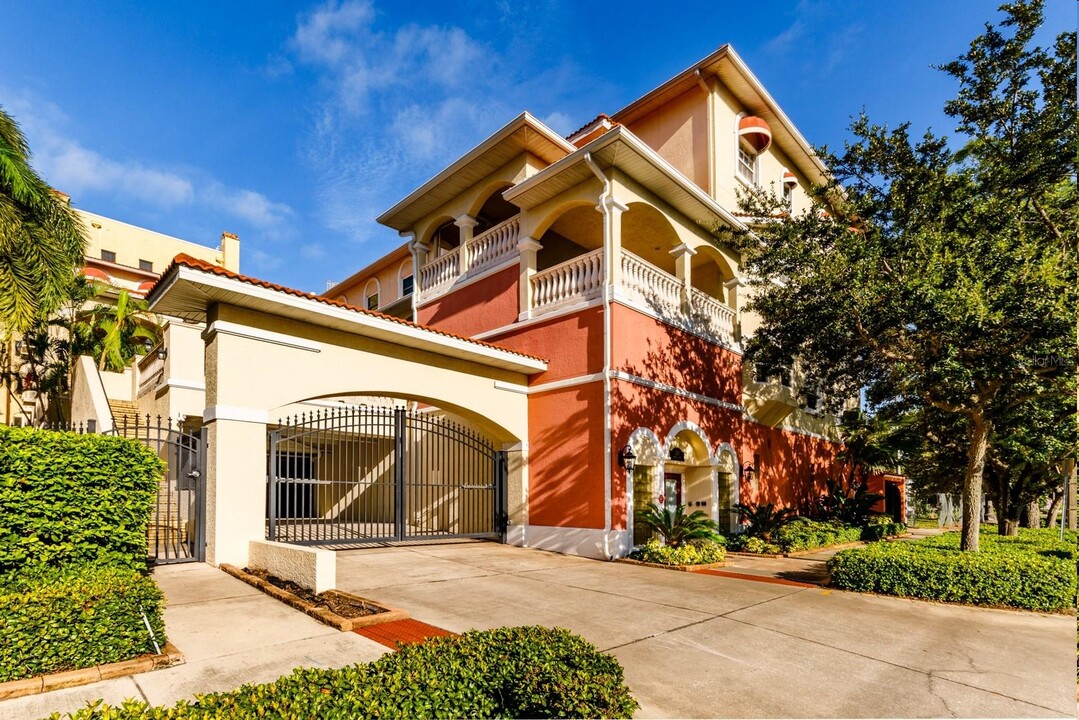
(406, 286)
(788, 195)
(812, 400)
(785, 377)
(108, 256)
(747, 165)
(761, 373)
(372, 301)
(146, 265)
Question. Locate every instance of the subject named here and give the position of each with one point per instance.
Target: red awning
(95, 275)
(754, 131)
(144, 287)
(789, 178)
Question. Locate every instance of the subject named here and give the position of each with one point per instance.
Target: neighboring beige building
(121, 256)
(385, 286)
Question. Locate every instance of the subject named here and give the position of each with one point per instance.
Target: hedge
(698, 552)
(73, 618)
(1034, 571)
(806, 534)
(73, 499)
(508, 672)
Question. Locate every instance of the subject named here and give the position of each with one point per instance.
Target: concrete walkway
(706, 646)
(230, 634)
(692, 645)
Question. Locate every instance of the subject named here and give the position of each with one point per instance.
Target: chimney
(230, 251)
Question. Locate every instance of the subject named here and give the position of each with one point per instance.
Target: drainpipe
(605, 198)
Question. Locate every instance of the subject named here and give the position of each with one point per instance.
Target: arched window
(405, 282)
(371, 294)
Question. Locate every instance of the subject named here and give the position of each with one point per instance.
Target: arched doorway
(642, 484)
(688, 472)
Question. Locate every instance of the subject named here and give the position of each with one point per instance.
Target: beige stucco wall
(132, 243)
(679, 133)
(180, 388)
(385, 280)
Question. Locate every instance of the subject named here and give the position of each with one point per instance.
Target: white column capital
(527, 244)
(466, 221)
(683, 249)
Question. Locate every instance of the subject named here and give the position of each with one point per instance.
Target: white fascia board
(415, 337)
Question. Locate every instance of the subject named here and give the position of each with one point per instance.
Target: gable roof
(522, 134)
(733, 73)
(189, 286)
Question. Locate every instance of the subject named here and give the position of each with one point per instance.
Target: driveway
(706, 646)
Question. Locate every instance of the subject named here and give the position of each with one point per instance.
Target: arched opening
(405, 281)
(372, 294)
(709, 273)
(495, 210)
(642, 488)
(727, 494)
(445, 238)
(687, 471)
(577, 231)
(650, 236)
(357, 468)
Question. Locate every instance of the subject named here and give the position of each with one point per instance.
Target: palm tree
(126, 327)
(677, 528)
(42, 240)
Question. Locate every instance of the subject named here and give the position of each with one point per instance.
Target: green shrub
(750, 544)
(508, 672)
(67, 498)
(809, 534)
(677, 528)
(74, 618)
(1034, 571)
(878, 530)
(696, 552)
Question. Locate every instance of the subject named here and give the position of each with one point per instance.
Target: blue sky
(294, 125)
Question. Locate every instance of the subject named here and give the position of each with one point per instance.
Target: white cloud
(76, 170)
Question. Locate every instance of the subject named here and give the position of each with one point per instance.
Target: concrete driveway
(705, 646)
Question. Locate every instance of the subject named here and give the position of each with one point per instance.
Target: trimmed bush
(1034, 571)
(809, 534)
(74, 618)
(508, 672)
(749, 544)
(74, 499)
(695, 552)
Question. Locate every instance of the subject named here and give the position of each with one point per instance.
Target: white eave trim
(411, 336)
(621, 134)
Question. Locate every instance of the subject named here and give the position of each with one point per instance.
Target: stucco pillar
(516, 492)
(612, 210)
(528, 249)
(467, 225)
(733, 300)
(683, 268)
(419, 251)
(236, 455)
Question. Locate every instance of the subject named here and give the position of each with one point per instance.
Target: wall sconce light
(627, 458)
(162, 352)
(749, 472)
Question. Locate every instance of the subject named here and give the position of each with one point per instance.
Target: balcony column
(528, 249)
(733, 301)
(683, 268)
(612, 214)
(419, 251)
(467, 224)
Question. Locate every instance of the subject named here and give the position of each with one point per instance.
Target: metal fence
(368, 474)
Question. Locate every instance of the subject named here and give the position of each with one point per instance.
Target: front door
(672, 490)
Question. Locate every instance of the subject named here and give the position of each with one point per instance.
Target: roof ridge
(185, 260)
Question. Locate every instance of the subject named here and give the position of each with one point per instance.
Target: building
(604, 253)
(119, 256)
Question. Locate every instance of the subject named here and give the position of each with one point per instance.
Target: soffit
(522, 134)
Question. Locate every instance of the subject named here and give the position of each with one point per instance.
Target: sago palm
(676, 528)
(41, 238)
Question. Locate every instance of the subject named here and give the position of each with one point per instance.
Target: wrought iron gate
(368, 474)
(177, 529)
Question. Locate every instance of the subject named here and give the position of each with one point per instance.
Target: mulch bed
(336, 608)
(347, 606)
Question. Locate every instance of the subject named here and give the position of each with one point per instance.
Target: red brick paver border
(402, 631)
(756, 578)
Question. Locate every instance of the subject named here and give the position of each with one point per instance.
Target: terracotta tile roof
(590, 123)
(183, 260)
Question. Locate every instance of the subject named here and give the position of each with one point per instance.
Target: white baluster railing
(711, 317)
(492, 246)
(576, 280)
(440, 271)
(653, 288)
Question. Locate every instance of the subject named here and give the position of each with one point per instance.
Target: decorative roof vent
(754, 133)
(95, 275)
(789, 178)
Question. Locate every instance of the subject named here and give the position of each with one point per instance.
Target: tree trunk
(1054, 508)
(1033, 515)
(972, 481)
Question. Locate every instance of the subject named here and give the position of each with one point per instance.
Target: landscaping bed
(1034, 571)
(75, 593)
(336, 608)
(802, 536)
(700, 553)
(521, 672)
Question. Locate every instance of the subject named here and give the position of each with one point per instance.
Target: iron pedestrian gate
(366, 474)
(177, 529)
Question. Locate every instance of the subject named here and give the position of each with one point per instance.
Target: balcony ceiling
(623, 150)
(522, 134)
